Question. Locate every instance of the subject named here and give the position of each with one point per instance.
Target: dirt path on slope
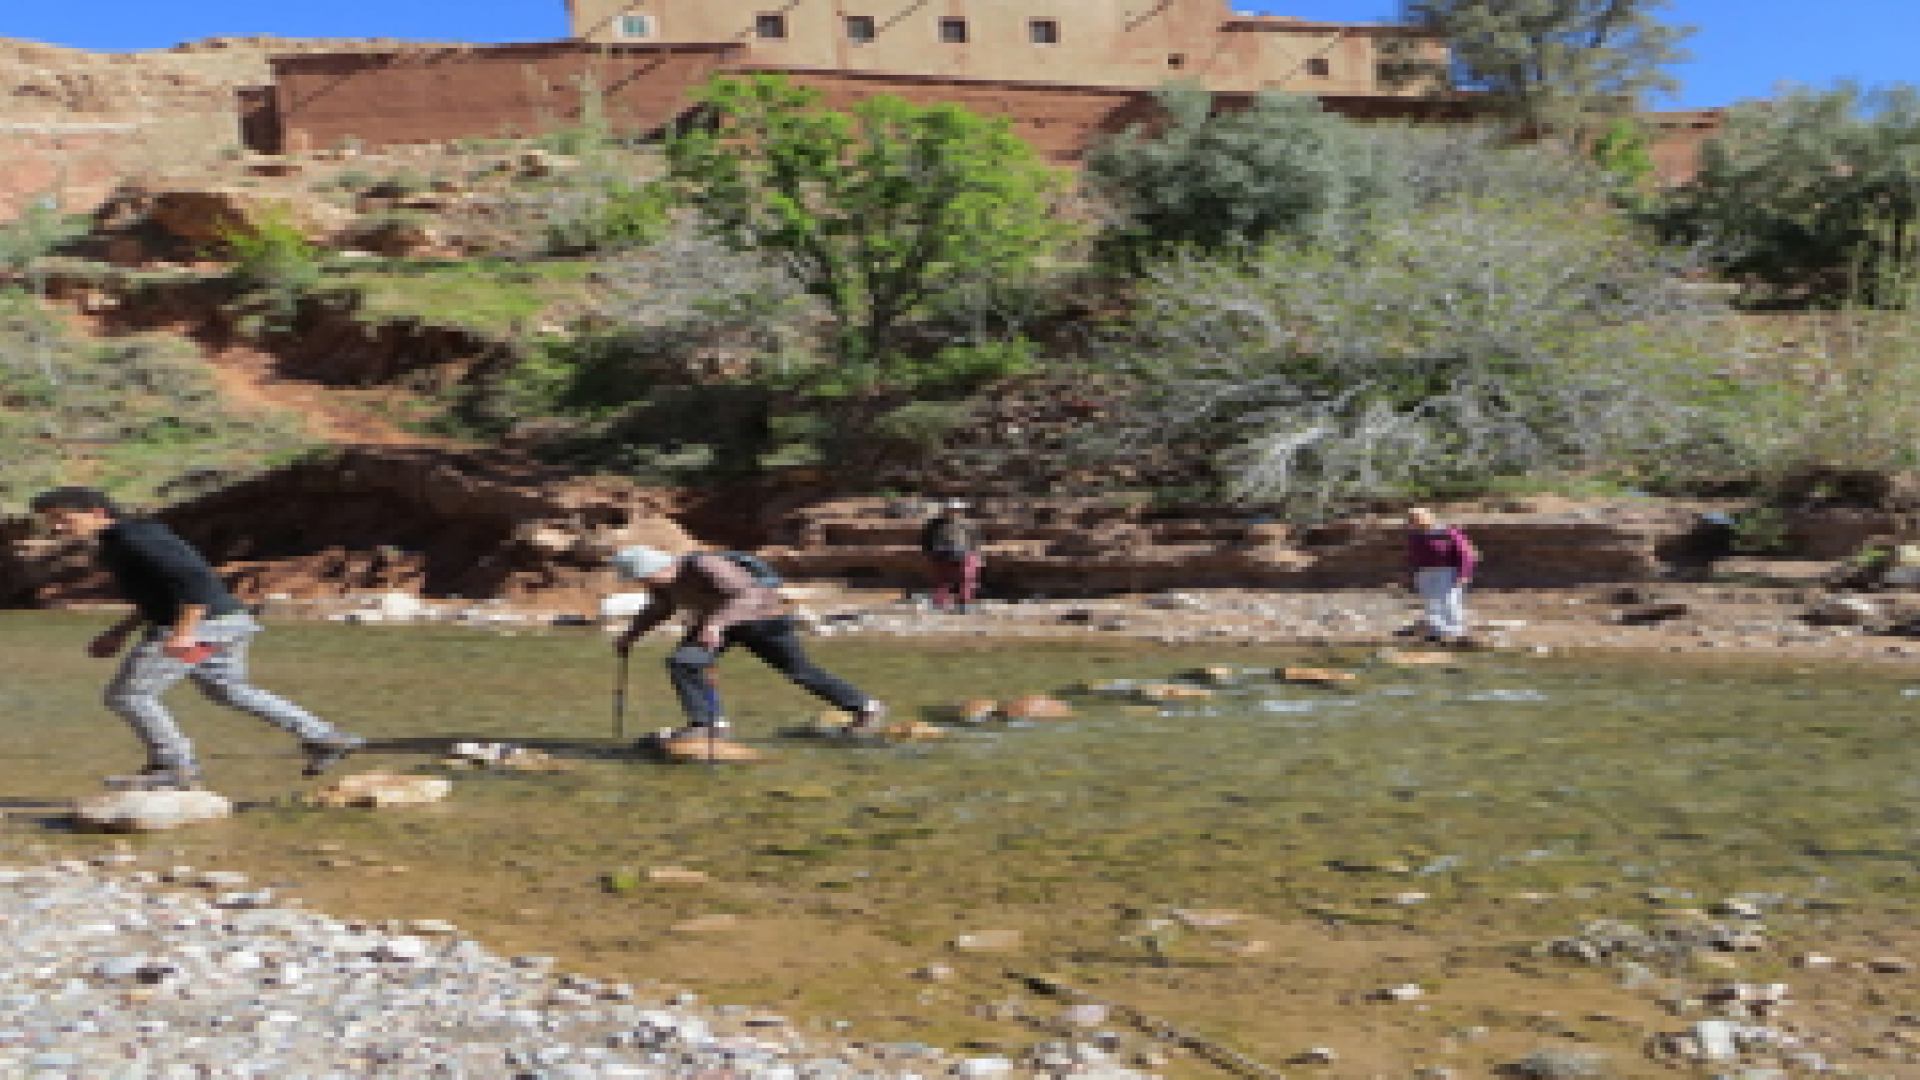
(247, 377)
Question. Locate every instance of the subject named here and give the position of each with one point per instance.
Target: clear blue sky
(1743, 48)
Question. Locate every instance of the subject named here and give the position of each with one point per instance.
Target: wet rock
(149, 811)
(1208, 919)
(987, 940)
(912, 731)
(1396, 656)
(696, 748)
(677, 875)
(1316, 675)
(382, 789)
(1037, 707)
(977, 710)
(1843, 611)
(1173, 692)
(705, 924)
(1403, 992)
(1553, 1064)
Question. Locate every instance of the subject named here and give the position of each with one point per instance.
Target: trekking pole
(620, 698)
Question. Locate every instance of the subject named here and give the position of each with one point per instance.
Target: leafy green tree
(1816, 192)
(1210, 180)
(877, 210)
(1218, 181)
(1557, 64)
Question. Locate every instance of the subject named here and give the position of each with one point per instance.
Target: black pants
(775, 644)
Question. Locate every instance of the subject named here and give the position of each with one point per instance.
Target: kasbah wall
(323, 102)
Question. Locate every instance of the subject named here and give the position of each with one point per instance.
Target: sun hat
(637, 563)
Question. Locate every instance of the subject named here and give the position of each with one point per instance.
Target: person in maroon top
(1441, 560)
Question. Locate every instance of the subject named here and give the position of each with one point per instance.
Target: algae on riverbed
(1422, 824)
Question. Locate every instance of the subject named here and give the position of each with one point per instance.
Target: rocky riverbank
(118, 967)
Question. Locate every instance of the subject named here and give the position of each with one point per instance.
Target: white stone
(380, 789)
(1718, 1040)
(150, 811)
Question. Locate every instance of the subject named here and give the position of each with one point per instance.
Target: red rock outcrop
(427, 522)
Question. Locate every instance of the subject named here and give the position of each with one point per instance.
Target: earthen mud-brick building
(1126, 43)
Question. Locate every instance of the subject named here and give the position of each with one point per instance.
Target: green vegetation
(1422, 353)
(494, 297)
(1273, 301)
(139, 416)
(875, 211)
(1562, 66)
(1813, 193)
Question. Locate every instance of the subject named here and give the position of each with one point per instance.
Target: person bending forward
(724, 606)
(194, 629)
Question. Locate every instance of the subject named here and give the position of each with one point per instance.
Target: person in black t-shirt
(193, 628)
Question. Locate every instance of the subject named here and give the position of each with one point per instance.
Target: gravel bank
(120, 971)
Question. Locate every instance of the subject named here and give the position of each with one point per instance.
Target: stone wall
(505, 91)
(1090, 546)
(419, 96)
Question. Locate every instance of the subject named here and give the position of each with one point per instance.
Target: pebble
(108, 977)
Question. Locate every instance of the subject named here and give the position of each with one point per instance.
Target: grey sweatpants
(147, 673)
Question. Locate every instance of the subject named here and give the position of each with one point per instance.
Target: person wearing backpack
(1441, 560)
(726, 599)
(952, 549)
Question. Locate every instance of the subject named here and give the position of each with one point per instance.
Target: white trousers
(1445, 594)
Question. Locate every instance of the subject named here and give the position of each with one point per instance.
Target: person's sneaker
(159, 778)
(717, 730)
(327, 753)
(867, 721)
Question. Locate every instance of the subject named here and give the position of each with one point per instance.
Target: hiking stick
(620, 698)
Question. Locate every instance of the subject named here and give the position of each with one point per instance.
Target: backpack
(757, 568)
(951, 539)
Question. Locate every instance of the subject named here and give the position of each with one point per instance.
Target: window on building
(770, 27)
(1320, 67)
(1043, 31)
(860, 28)
(953, 31)
(636, 26)
(1176, 60)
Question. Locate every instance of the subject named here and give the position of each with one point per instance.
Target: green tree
(877, 210)
(1557, 64)
(1210, 180)
(1816, 192)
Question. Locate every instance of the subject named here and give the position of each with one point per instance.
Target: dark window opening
(1177, 60)
(770, 27)
(860, 28)
(953, 31)
(1319, 67)
(1043, 31)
